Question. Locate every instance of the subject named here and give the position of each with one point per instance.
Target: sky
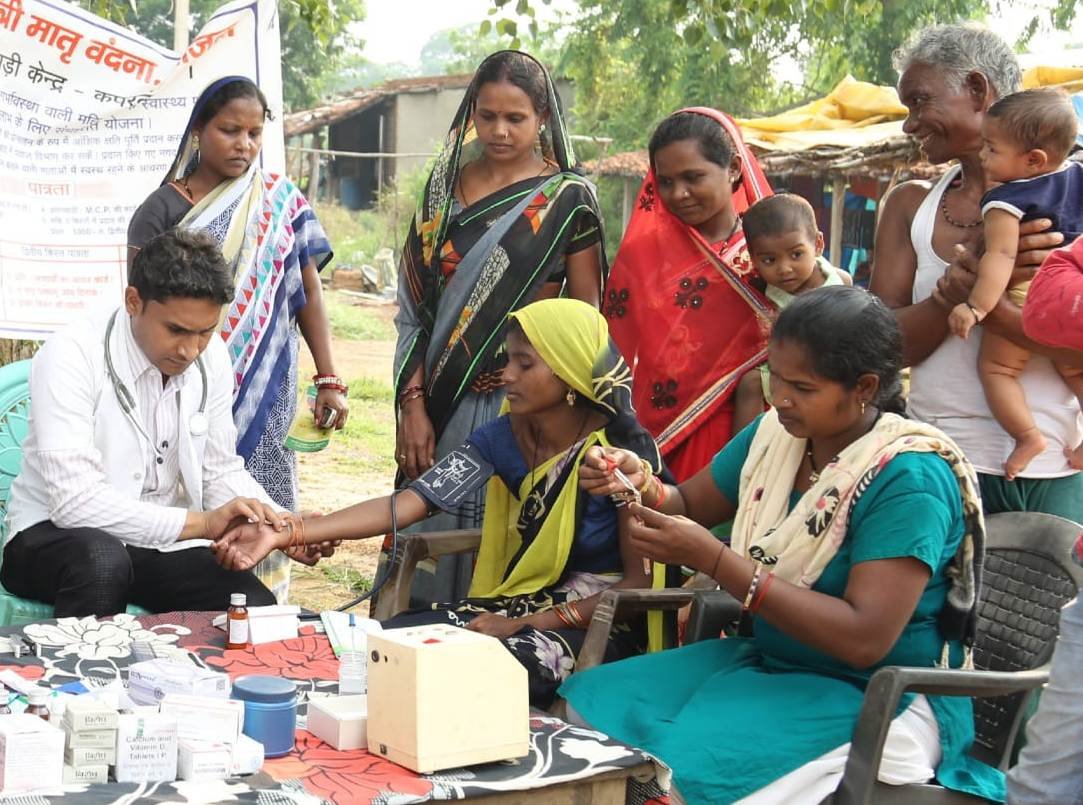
(396, 30)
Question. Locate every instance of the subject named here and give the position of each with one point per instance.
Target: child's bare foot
(1075, 457)
(1028, 445)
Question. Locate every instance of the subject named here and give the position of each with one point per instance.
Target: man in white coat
(129, 466)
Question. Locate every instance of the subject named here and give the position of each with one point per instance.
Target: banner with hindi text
(91, 115)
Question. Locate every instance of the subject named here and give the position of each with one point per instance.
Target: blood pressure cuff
(453, 478)
(1054, 306)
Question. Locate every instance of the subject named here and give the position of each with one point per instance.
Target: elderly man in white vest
(129, 466)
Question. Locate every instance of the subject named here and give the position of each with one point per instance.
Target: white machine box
(440, 697)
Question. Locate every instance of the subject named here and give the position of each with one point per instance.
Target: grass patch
(367, 442)
(355, 581)
(371, 390)
(355, 323)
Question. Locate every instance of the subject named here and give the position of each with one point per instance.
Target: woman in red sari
(679, 302)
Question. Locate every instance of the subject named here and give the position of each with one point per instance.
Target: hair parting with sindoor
(714, 143)
(847, 332)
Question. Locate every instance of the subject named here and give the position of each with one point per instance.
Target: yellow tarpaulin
(857, 114)
(1070, 78)
(854, 113)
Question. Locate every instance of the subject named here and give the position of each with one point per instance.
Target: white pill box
(31, 753)
(203, 760)
(149, 681)
(87, 775)
(205, 718)
(247, 756)
(146, 748)
(83, 713)
(91, 755)
(92, 739)
(341, 721)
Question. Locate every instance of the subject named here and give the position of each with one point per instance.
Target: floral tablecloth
(97, 651)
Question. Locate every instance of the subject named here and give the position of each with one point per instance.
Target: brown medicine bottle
(38, 699)
(237, 635)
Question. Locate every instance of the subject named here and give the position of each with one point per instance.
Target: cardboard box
(247, 756)
(203, 760)
(146, 748)
(97, 739)
(87, 775)
(341, 721)
(31, 753)
(84, 713)
(270, 623)
(440, 697)
(151, 680)
(91, 755)
(204, 718)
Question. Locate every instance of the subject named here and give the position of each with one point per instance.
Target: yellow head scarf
(572, 338)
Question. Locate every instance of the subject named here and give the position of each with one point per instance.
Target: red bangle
(761, 593)
(330, 382)
(661, 495)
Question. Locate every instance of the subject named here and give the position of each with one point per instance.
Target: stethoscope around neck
(198, 424)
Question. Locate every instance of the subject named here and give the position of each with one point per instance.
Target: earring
(570, 397)
(541, 128)
(862, 408)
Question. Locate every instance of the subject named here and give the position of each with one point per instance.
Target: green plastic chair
(14, 423)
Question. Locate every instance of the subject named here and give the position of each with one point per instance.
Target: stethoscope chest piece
(198, 424)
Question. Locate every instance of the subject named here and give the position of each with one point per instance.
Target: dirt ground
(329, 482)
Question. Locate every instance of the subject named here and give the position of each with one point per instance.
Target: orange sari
(686, 318)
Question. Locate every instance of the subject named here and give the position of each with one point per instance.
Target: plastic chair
(14, 423)
(1028, 576)
(613, 606)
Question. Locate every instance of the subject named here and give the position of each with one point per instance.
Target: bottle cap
(238, 600)
(38, 696)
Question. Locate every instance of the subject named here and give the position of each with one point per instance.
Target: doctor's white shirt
(85, 465)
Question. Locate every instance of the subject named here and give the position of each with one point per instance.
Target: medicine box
(84, 713)
(91, 755)
(247, 756)
(97, 739)
(441, 697)
(87, 775)
(146, 748)
(341, 721)
(149, 681)
(205, 718)
(31, 753)
(270, 623)
(203, 760)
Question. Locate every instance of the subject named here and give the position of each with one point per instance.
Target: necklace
(947, 215)
(814, 475)
(733, 230)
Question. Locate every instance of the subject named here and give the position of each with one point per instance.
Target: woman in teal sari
(857, 543)
(504, 220)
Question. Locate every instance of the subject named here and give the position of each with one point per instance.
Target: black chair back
(1028, 576)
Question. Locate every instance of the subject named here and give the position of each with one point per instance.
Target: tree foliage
(634, 61)
(316, 36)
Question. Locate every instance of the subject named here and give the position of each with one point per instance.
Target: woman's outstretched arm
(243, 546)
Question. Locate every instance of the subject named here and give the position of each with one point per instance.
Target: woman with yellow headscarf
(548, 549)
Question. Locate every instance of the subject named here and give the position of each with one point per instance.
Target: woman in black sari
(504, 220)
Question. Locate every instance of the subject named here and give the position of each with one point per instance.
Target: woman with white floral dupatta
(857, 544)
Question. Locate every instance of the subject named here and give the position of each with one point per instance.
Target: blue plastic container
(270, 711)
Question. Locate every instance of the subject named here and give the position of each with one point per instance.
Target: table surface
(99, 650)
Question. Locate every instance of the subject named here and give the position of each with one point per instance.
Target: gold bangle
(648, 475)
